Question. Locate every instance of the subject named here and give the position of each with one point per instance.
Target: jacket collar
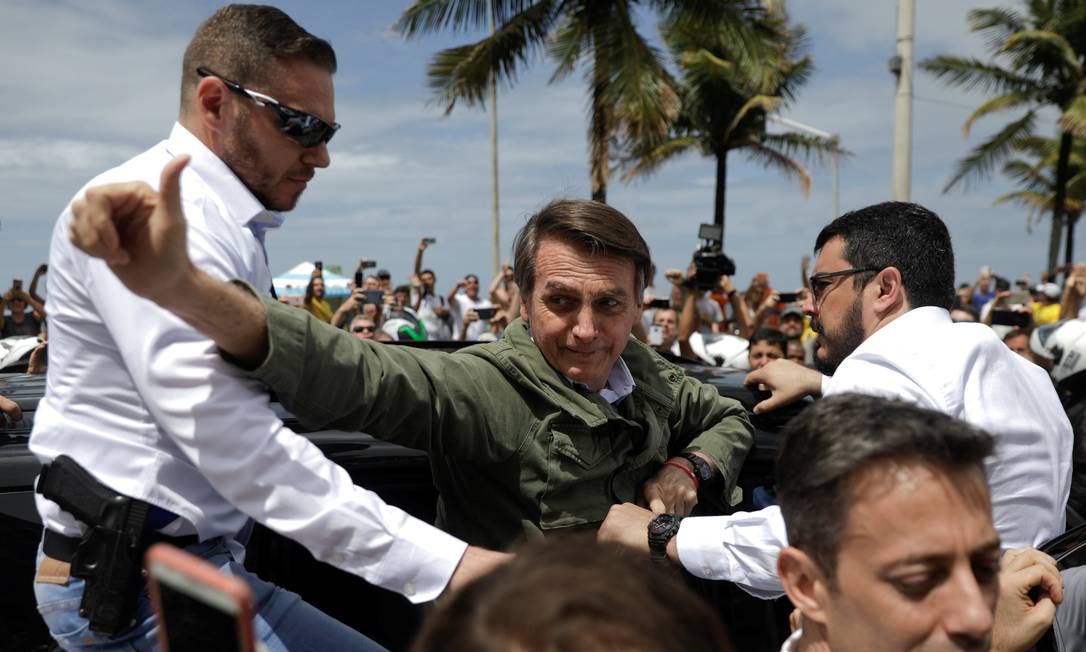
(522, 361)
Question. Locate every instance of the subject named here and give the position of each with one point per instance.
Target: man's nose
(809, 304)
(317, 156)
(968, 616)
(585, 328)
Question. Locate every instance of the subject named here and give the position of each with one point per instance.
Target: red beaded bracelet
(693, 478)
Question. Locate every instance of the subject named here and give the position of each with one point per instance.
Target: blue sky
(90, 84)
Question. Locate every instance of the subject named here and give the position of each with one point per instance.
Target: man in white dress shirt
(880, 295)
(146, 405)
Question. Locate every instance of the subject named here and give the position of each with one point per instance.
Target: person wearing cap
(1047, 309)
(792, 322)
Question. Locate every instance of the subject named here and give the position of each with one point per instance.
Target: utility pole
(494, 214)
(834, 161)
(902, 67)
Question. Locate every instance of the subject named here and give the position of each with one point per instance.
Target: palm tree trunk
(721, 189)
(1058, 211)
(598, 131)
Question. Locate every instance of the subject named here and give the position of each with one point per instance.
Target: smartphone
(319, 265)
(788, 297)
(656, 335)
(486, 313)
(198, 607)
(367, 264)
(429, 241)
(374, 296)
(16, 284)
(659, 303)
(1011, 318)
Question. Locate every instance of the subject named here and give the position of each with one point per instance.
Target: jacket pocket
(580, 464)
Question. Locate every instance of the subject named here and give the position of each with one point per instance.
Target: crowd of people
(911, 498)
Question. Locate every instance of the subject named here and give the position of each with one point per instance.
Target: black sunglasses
(304, 128)
(364, 329)
(819, 282)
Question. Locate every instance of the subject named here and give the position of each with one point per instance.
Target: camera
(710, 262)
(486, 313)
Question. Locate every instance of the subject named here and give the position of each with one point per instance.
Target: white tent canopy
(293, 282)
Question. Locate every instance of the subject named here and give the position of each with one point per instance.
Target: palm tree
(726, 96)
(632, 94)
(1036, 176)
(1039, 62)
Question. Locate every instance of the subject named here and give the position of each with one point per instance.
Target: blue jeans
(284, 622)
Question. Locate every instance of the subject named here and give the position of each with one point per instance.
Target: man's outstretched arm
(140, 233)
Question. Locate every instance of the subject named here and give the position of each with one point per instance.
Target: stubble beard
(241, 155)
(840, 345)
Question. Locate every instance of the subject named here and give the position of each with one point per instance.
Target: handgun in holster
(109, 555)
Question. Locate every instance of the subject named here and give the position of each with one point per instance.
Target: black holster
(109, 556)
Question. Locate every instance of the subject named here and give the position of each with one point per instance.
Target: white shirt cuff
(421, 561)
(740, 548)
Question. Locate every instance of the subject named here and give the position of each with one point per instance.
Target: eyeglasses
(364, 329)
(819, 282)
(304, 128)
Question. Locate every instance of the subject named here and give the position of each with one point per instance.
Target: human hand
(470, 316)
(414, 280)
(671, 491)
(789, 381)
(770, 301)
(36, 363)
(10, 409)
(726, 284)
(674, 276)
(805, 263)
(507, 271)
(423, 244)
(139, 232)
(627, 524)
(1019, 620)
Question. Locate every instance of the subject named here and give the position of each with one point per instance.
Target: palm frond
(769, 157)
(975, 75)
(998, 103)
(1028, 43)
(811, 148)
(765, 103)
(979, 163)
(465, 72)
(998, 24)
(647, 162)
(1074, 117)
(427, 16)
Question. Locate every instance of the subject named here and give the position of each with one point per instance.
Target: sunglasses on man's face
(364, 329)
(304, 128)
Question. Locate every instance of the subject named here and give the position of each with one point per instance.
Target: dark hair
(309, 292)
(406, 289)
(587, 225)
(573, 594)
(244, 43)
(427, 271)
(771, 335)
(906, 236)
(832, 442)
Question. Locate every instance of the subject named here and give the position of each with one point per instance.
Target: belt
(63, 548)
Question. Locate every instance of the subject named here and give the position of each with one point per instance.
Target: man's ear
(524, 310)
(211, 103)
(891, 291)
(805, 584)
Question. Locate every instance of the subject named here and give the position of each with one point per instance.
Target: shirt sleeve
(222, 424)
(740, 548)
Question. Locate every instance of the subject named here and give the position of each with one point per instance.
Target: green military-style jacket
(517, 451)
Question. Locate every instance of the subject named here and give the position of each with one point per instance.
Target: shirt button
(409, 589)
(707, 571)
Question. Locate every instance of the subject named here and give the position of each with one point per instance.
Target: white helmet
(1065, 344)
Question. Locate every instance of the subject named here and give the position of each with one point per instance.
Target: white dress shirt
(459, 307)
(148, 406)
(963, 370)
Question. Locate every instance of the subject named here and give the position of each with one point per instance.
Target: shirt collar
(239, 202)
(915, 320)
(620, 383)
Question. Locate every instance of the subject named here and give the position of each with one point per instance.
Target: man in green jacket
(539, 432)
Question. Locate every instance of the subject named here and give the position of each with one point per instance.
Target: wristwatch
(661, 529)
(702, 469)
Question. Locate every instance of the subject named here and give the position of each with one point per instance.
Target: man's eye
(917, 585)
(986, 570)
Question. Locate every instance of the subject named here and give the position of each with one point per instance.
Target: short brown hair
(574, 594)
(243, 43)
(588, 225)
